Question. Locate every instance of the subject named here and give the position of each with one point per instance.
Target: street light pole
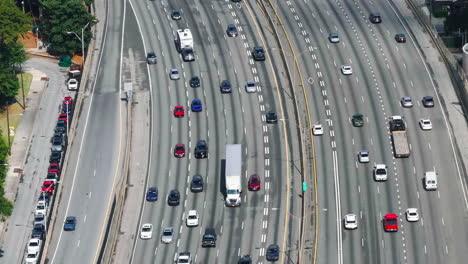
(82, 39)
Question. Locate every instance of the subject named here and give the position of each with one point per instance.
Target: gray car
(406, 101)
(57, 142)
(167, 236)
(39, 219)
(151, 57)
(174, 74)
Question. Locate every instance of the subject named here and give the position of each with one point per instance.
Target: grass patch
(15, 110)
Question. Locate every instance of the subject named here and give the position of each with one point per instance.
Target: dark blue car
(152, 194)
(197, 105)
(70, 223)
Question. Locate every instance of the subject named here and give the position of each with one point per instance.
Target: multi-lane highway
(238, 117)
(383, 72)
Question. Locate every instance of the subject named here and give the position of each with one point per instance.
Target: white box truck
(185, 44)
(233, 175)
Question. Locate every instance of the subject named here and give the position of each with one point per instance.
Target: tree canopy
(60, 17)
(458, 20)
(14, 22)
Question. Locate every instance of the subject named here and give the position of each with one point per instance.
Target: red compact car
(400, 38)
(48, 187)
(63, 117)
(179, 151)
(54, 168)
(179, 111)
(254, 183)
(390, 223)
(67, 100)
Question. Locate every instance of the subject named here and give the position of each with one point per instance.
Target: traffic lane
(105, 87)
(136, 53)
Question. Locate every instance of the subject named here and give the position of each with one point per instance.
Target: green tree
(13, 22)
(457, 21)
(5, 206)
(11, 54)
(9, 85)
(60, 17)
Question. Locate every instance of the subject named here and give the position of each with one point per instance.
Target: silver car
(167, 236)
(174, 74)
(250, 87)
(406, 101)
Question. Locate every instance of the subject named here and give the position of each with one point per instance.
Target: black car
(61, 126)
(272, 253)
(428, 101)
(375, 18)
(38, 231)
(209, 238)
(52, 175)
(67, 109)
(151, 58)
(201, 150)
(152, 194)
(232, 30)
(55, 157)
(271, 118)
(176, 15)
(196, 185)
(258, 53)
(225, 87)
(195, 82)
(245, 260)
(173, 199)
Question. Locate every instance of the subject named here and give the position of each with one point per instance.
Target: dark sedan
(70, 223)
(173, 199)
(197, 184)
(272, 253)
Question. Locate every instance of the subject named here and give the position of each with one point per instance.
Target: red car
(179, 111)
(54, 168)
(179, 151)
(63, 117)
(254, 183)
(390, 223)
(67, 100)
(400, 38)
(48, 187)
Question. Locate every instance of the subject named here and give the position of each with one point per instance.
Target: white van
(430, 180)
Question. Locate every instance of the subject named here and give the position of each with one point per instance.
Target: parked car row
(49, 185)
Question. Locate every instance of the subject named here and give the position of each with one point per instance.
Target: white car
(425, 124)
(146, 231)
(32, 257)
(350, 221)
(317, 130)
(334, 38)
(412, 215)
(174, 74)
(346, 70)
(380, 172)
(192, 218)
(167, 236)
(41, 208)
(363, 156)
(250, 87)
(72, 84)
(34, 245)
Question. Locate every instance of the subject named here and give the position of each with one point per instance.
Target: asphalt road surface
(383, 72)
